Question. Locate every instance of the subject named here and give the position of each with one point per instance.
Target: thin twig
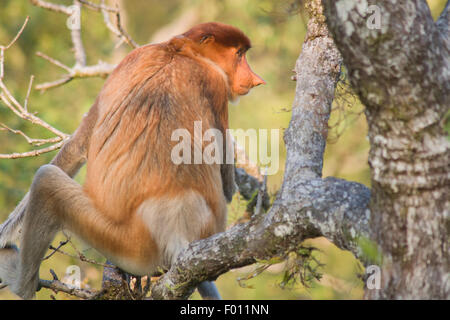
(17, 108)
(75, 33)
(61, 244)
(18, 33)
(53, 84)
(35, 142)
(58, 286)
(101, 69)
(117, 29)
(80, 256)
(110, 25)
(54, 61)
(32, 153)
(126, 36)
(51, 6)
(2, 59)
(11, 102)
(4, 48)
(22, 111)
(30, 85)
(54, 275)
(80, 69)
(98, 7)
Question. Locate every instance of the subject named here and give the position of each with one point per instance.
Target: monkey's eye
(240, 52)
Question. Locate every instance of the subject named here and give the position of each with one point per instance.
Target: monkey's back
(154, 91)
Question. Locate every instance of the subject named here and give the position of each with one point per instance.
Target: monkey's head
(226, 46)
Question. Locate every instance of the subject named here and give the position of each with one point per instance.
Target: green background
(276, 29)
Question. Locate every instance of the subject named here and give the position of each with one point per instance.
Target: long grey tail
(10, 229)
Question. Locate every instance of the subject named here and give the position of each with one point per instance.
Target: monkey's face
(233, 61)
(226, 47)
(243, 78)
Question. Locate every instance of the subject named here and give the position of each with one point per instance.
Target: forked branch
(21, 110)
(80, 69)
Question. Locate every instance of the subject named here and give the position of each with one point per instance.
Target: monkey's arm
(73, 154)
(70, 159)
(228, 183)
(227, 170)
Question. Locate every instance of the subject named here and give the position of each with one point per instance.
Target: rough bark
(307, 205)
(401, 73)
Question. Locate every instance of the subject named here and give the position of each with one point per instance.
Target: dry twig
(22, 111)
(80, 69)
(58, 286)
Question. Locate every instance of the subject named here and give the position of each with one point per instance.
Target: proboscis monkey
(137, 207)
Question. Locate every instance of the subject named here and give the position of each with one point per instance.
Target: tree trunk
(401, 73)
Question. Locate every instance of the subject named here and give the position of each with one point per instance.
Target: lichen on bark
(401, 73)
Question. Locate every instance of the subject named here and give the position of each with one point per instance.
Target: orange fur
(137, 206)
(155, 90)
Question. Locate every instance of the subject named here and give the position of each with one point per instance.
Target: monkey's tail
(10, 229)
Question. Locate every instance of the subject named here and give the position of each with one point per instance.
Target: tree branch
(98, 7)
(75, 33)
(32, 153)
(22, 111)
(80, 69)
(307, 206)
(19, 33)
(102, 69)
(124, 34)
(52, 7)
(443, 21)
(58, 286)
(35, 142)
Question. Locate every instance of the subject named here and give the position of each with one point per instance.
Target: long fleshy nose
(257, 80)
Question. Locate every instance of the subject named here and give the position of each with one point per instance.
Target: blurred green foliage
(277, 31)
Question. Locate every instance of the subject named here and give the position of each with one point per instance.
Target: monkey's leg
(39, 229)
(9, 260)
(56, 201)
(208, 291)
(70, 159)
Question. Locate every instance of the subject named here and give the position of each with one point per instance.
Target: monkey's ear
(178, 42)
(207, 39)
